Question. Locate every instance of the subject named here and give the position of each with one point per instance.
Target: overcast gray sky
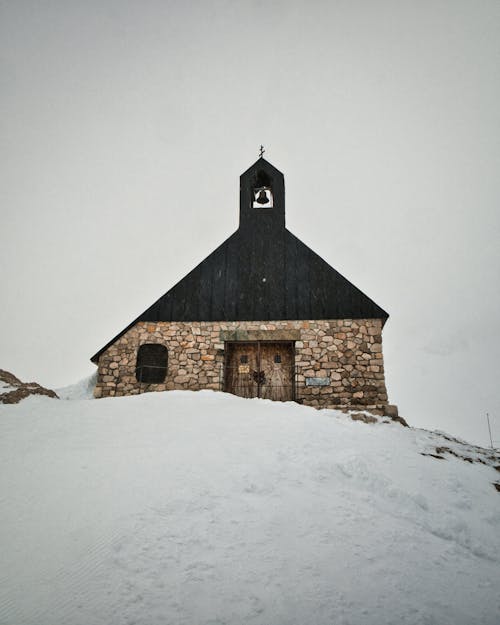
(126, 125)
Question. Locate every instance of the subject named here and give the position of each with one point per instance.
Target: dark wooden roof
(261, 272)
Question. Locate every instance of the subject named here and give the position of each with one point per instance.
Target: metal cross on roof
(261, 151)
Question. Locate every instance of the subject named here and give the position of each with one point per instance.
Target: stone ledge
(259, 335)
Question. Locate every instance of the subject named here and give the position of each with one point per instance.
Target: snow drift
(204, 508)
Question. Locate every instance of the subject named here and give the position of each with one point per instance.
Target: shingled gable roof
(261, 272)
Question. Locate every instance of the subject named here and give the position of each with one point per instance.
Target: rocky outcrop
(456, 448)
(12, 390)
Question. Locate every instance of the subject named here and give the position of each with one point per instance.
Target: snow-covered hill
(203, 508)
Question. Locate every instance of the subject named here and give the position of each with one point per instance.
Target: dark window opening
(244, 359)
(152, 361)
(277, 358)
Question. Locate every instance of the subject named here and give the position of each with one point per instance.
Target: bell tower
(261, 242)
(262, 198)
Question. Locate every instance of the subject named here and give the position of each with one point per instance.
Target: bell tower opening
(262, 194)
(262, 198)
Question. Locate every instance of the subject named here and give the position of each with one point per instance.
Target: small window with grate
(277, 358)
(152, 361)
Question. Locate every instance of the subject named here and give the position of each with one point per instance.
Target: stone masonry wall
(347, 352)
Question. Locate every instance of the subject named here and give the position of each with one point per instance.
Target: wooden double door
(261, 369)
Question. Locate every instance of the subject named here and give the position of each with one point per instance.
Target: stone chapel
(262, 316)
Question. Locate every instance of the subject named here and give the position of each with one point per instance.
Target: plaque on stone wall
(317, 381)
(244, 369)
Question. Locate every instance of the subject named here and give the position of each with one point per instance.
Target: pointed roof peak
(262, 163)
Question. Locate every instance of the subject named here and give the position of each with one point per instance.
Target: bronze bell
(262, 199)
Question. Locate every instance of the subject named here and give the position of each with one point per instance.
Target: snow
(204, 508)
(81, 390)
(6, 388)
